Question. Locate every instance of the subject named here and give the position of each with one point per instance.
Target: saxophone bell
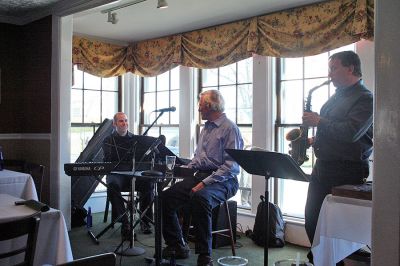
(298, 144)
(293, 134)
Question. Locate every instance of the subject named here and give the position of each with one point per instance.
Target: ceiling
(143, 20)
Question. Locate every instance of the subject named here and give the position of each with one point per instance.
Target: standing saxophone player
(343, 141)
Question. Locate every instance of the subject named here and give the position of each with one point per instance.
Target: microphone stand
(131, 250)
(152, 124)
(153, 152)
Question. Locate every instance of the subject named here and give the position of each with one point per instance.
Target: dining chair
(105, 259)
(14, 165)
(37, 172)
(15, 229)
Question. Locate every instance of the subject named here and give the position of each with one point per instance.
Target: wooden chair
(14, 165)
(37, 173)
(124, 194)
(14, 229)
(35, 170)
(106, 259)
(224, 232)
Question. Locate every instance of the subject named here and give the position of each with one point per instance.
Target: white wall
(60, 184)
(386, 188)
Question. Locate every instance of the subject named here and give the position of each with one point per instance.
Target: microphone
(153, 146)
(170, 109)
(34, 204)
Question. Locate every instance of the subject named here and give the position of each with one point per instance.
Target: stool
(107, 208)
(225, 232)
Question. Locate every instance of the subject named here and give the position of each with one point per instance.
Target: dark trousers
(119, 183)
(201, 204)
(324, 177)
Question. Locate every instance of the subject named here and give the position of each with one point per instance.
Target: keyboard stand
(95, 238)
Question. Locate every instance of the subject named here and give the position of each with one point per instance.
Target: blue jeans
(200, 203)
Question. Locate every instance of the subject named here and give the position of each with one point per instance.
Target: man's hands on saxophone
(311, 119)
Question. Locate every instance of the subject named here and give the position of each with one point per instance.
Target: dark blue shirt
(344, 132)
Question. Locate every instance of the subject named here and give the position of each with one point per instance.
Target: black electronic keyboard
(88, 168)
(104, 168)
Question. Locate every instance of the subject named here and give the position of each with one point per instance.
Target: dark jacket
(345, 129)
(118, 149)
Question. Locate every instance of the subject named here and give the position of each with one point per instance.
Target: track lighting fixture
(162, 4)
(112, 17)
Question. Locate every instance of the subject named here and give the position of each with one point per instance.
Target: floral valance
(296, 32)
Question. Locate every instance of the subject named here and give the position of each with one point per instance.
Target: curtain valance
(296, 32)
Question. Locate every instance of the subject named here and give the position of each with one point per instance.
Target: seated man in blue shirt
(216, 183)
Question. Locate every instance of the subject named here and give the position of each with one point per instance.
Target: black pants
(325, 176)
(119, 183)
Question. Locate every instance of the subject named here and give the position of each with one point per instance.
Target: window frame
(142, 127)
(93, 125)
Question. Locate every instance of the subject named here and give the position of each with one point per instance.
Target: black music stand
(268, 164)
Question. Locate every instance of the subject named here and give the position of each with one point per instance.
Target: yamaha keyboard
(104, 168)
(88, 168)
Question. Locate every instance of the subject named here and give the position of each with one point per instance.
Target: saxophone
(298, 137)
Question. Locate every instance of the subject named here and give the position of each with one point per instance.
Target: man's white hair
(214, 100)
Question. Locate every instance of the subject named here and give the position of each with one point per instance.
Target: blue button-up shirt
(210, 154)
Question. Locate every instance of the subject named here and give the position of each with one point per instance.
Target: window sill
(293, 220)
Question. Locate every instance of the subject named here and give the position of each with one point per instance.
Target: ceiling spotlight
(162, 4)
(112, 18)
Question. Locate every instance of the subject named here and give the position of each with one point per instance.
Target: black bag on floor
(276, 236)
(78, 216)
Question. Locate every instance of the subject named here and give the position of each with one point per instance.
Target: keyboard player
(118, 147)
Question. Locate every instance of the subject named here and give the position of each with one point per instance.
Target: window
(92, 100)
(159, 92)
(295, 77)
(235, 82)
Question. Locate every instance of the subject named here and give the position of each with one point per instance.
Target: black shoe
(178, 251)
(146, 228)
(361, 255)
(204, 260)
(310, 257)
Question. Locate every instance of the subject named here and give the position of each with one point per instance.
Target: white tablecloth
(17, 184)
(53, 246)
(344, 226)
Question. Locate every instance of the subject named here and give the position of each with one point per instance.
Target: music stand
(268, 164)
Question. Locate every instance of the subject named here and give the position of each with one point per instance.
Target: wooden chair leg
(230, 228)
